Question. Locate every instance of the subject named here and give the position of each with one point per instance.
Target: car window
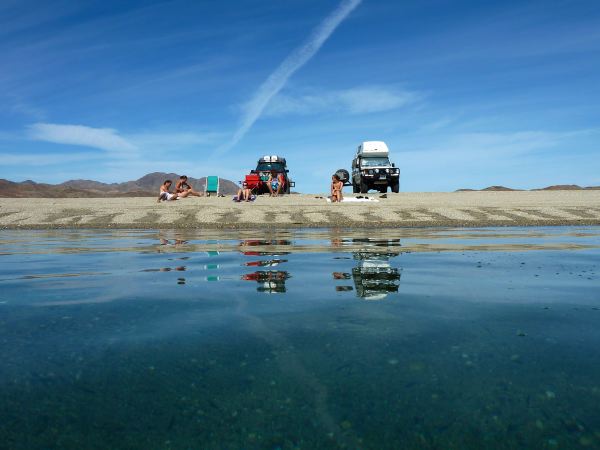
(375, 161)
(264, 167)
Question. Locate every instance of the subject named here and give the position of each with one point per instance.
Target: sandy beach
(462, 209)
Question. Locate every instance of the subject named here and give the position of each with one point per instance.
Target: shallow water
(414, 338)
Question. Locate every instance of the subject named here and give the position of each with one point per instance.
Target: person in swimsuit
(275, 183)
(336, 189)
(244, 194)
(166, 195)
(183, 186)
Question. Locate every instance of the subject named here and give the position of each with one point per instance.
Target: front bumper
(378, 178)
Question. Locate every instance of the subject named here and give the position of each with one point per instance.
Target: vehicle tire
(355, 188)
(364, 188)
(343, 174)
(396, 187)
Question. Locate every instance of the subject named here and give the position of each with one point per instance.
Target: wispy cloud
(437, 124)
(46, 159)
(116, 145)
(101, 138)
(489, 149)
(15, 105)
(512, 143)
(295, 60)
(358, 100)
(172, 140)
(518, 159)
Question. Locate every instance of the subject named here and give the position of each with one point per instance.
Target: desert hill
(498, 188)
(489, 188)
(146, 186)
(555, 187)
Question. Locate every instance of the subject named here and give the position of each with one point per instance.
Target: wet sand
(455, 209)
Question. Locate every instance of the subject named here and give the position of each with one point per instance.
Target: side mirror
(393, 165)
(287, 170)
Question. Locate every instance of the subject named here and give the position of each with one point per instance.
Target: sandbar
(410, 209)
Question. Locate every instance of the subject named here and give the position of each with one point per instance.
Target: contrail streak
(287, 68)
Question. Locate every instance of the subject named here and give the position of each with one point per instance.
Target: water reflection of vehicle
(266, 263)
(265, 243)
(374, 277)
(269, 281)
(256, 242)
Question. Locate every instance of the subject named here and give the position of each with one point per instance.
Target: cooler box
(252, 181)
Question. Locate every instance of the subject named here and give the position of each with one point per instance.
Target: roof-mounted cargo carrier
(372, 149)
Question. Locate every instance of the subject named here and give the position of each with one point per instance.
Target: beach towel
(252, 198)
(355, 200)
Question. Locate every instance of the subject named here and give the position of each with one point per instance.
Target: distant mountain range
(147, 186)
(556, 187)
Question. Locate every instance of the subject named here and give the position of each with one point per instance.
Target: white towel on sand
(354, 199)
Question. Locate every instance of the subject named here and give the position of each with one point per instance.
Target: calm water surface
(424, 339)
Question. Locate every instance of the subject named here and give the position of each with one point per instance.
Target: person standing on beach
(183, 186)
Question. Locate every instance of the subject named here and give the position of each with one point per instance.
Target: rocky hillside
(557, 187)
(146, 186)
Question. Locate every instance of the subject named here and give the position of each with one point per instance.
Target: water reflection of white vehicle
(374, 277)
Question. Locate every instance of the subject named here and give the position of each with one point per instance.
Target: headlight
(387, 170)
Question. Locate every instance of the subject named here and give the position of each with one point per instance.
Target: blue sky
(465, 93)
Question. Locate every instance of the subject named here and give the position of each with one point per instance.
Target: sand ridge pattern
(467, 209)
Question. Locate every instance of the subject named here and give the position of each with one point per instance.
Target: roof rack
(271, 159)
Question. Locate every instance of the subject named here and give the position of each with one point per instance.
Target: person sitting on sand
(275, 183)
(244, 194)
(183, 186)
(166, 195)
(336, 189)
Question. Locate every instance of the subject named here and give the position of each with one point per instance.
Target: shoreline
(285, 226)
(403, 210)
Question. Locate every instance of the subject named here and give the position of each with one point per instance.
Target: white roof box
(373, 148)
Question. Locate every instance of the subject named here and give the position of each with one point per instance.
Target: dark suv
(258, 178)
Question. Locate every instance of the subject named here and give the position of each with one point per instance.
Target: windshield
(375, 162)
(267, 167)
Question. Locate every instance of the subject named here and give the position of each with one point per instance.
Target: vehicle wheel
(343, 174)
(355, 188)
(396, 187)
(364, 188)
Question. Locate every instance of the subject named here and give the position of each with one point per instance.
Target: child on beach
(336, 189)
(183, 186)
(166, 195)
